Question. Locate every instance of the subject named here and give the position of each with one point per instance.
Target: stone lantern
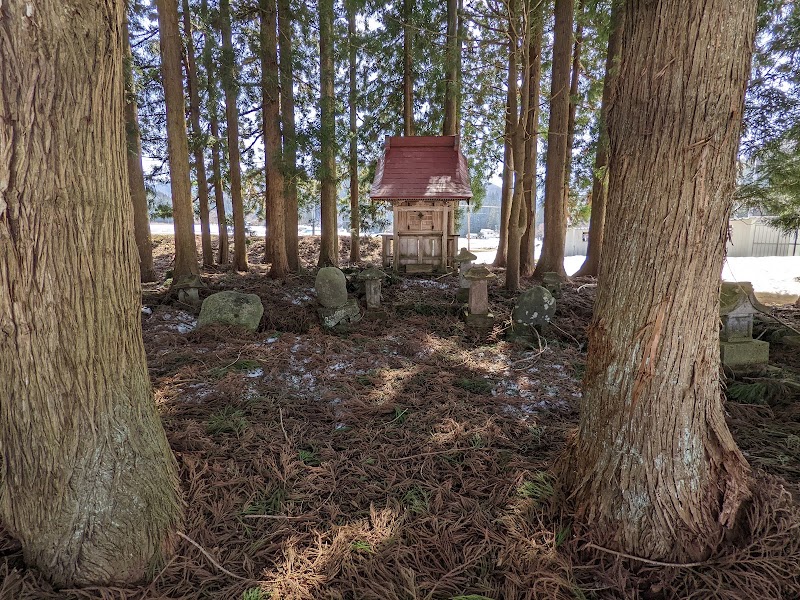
(478, 315)
(189, 290)
(551, 281)
(738, 350)
(464, 259)
(372, 278)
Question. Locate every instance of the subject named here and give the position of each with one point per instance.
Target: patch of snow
(146, 310)
(253, 373)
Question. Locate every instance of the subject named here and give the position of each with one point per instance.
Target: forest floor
(402, 457)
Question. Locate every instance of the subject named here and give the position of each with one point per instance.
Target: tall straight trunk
(197, 135)
(408, 68)
(452, 90)
(555, 216)
(591, 266)
(89, 484)
(355, 216)
(141, 215)
(329, 247)
(573, 100)
(177, 142)
(212, 107)
(528, 243)
(517, 223)
(289, 154)
(231, 87)
(272, 139)
(507, 189)
(654, 470)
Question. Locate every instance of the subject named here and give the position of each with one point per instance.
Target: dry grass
(402, 459)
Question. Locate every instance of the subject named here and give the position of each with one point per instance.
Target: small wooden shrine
(424, 178)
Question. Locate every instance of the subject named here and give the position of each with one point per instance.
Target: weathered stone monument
(737, 348)
(464, 259)
(477, 315)
(231, 308)
(533, 312)
(189, 290)
(552, 282)
(372, 278)
(331, 288)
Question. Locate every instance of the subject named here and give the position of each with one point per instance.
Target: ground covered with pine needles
(404, 458)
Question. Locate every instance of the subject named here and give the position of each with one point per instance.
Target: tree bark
(276, 217)
(197, 146)
(289, 162)
(452, 90)
(654, 470)
(177, 142)
(408, 68)
(355, 216)
(591, 266)
(231, 87)
(528, 243)
(329, 248)
(212, 107)
(555, 218)
(141, 214)
(506, 189)
(519, 19)
(88, 484)
(573, 102)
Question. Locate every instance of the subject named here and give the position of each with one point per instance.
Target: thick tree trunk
(573, 100)
(289, 163)
(555, 216)
(517, 223)
(329, 248)
(212, 108)
(528, 243)
(452, 90)
(654, 470)
(197, 135)
(355, 216)
(231, 87)
(272, 139)
(408, 68)
(141, 214)
(591, 266)
(507, 185)
(177, 142)
(88, 481)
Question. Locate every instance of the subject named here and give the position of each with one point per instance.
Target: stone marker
(372, 278)
(552, 281)
(231, 308)
(189, 290)
(534, 309)
(331, 287)
(464, 259)
(477, 315)
(737, 348)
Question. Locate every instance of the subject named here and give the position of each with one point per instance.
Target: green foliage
(416, 500)
(538, 488)
(255, 594)
(475, 385)
(267, 503)
(228, 420)
(309, 457)
(240, 365)
(762, 391)
(361, 547)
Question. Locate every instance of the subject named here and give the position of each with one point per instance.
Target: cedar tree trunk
(355, 216)
(231, 87)
(591, 266)
(213, 120)
(408, 68)
(654, 470)
(88, 483)
(506, 190)
(289, 163)
(276, 219)
(555, 216)
(452, 90)
(141, 214)
(329, 247)
(177, 142)
(528, 243)
(197, 137)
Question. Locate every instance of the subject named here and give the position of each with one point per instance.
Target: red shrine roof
(424, 167)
